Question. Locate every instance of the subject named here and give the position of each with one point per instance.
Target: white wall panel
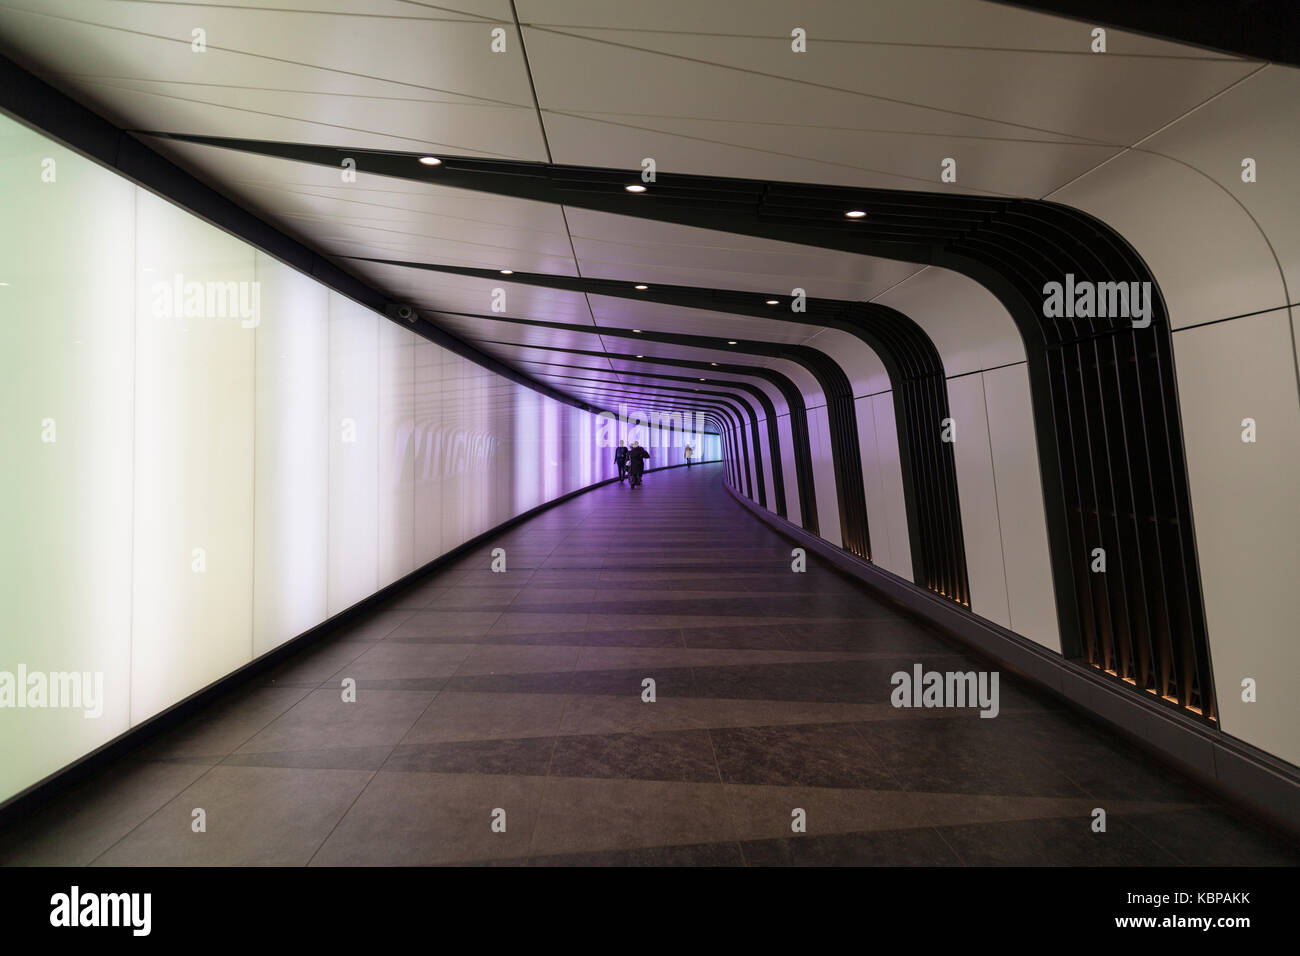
(429, 442)
(1244, 122)
(395, 525)
(873, 484)
(828, 508)
(353, 552)
(977, 491)
(766, 445)
(67, 349)
(754, 474)
(1246, 517)
(790, 476)
(193, 552)
(891, 487)
(968, 325)
(860, 363)
(1030, 592)
(1206, 253)
(525, 447)
(291, 494)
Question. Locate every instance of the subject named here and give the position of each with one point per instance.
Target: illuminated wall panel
(526, 449)
(395, 520)
(211, 453)
(353, 549)
(430, 441)
(194, 368)
(67, 331)
(552, 442)
(291, 494)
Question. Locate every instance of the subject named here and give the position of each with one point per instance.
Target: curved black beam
(1122, 488)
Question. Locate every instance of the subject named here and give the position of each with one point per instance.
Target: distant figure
(689, 453)
(636, 459)
(620, 459)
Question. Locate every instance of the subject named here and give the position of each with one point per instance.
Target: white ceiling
(885, 91)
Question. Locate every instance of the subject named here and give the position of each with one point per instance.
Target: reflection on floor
(517, 696)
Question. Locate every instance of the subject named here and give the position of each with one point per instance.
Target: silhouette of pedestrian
(636, 459)
(620, 459)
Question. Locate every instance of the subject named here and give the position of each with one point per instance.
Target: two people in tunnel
(631, 462)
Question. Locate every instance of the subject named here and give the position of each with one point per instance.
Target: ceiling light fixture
(430, 161)
(507, 272)
(855, 214)
(773, 302)
(731, 342)
(637, 331)
(641, 288)
(635, 188)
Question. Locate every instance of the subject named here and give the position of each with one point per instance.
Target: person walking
(620, 459)
(636, 459)
(689, 453)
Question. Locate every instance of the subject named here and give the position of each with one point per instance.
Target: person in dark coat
(636, 459)
(620, 459)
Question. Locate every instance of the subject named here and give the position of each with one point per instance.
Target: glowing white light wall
(291, 454)
(210, 453)
(192, 554)
(67, 343)
(353, 544)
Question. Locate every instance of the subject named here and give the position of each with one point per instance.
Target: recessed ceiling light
(640, 356)
(641, 288)
(773, 302)
(713, 363)
(704, 380)
(507, 272)
(430, 161)
(732, 342)
(635, 188)
(855, 214)
(637, 331)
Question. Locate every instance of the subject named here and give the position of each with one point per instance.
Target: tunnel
(595, 434)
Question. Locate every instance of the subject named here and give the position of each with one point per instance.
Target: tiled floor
(516, 697)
